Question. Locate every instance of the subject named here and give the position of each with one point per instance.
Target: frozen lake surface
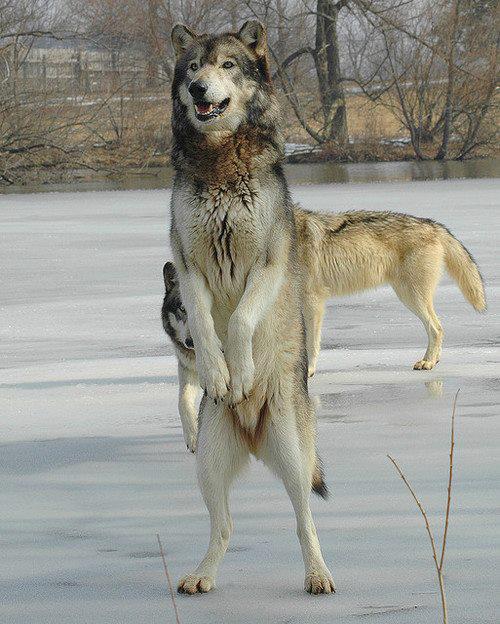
(93, 465)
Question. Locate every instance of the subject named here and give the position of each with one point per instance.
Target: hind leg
(219, 457)
(421, 304)
(435, 337)
(314, 308)
(292, 459)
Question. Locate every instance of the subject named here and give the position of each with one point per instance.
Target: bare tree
(436, 72)
(430, 67)
(322, 49)
(326, 56)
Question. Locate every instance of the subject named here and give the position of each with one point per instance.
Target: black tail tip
(321, 489)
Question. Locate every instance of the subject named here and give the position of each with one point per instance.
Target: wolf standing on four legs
(234, 242)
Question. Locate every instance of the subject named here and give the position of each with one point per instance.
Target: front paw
(191, 438)
(213, 374)
(242, 372)
(242, 383)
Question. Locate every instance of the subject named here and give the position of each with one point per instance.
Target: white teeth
(203, 110)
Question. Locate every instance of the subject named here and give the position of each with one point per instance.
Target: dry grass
(371, 122)
(110, 135)
(118, 138)
(367, 122)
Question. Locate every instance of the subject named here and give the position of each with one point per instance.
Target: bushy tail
(463, 269)
(318, 485)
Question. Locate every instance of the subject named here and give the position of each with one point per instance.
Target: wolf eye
(183, 309)
(227, 64)
(193, 66)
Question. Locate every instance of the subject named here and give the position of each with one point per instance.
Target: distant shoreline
(104, 165)
(299, 171)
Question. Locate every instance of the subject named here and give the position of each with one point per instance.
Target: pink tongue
(203, 108)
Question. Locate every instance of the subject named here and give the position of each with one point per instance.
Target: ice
(93, 464)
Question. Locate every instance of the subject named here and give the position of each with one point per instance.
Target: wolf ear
(253, 34)
(169, 276)
(182, 38)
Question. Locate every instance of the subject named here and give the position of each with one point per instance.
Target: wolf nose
(198, 88)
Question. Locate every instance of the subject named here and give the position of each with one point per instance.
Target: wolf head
(173, 313)
(221, 81)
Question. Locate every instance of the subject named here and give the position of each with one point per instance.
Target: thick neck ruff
(232, 159)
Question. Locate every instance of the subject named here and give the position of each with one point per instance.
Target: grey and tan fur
(349, 252)
(234, 243)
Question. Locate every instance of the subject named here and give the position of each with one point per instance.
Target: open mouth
(208, 110)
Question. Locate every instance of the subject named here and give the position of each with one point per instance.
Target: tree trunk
(327, 62)
(153, 43)
(281, 30)
(484, 107)
(16, 117)
(450, 89)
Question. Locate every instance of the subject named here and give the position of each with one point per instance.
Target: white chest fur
(224, 229)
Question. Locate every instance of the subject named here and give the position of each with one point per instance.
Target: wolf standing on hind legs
(234, 243)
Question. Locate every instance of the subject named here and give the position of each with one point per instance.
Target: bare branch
(438, 564)
(450, 479)
(169, 580)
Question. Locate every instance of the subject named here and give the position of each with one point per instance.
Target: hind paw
(194, 584)
(319, 582)
(424, 365)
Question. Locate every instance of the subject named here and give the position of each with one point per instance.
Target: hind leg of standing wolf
(292, 457)
(314, 308)
(418, 296)
(219, 457)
